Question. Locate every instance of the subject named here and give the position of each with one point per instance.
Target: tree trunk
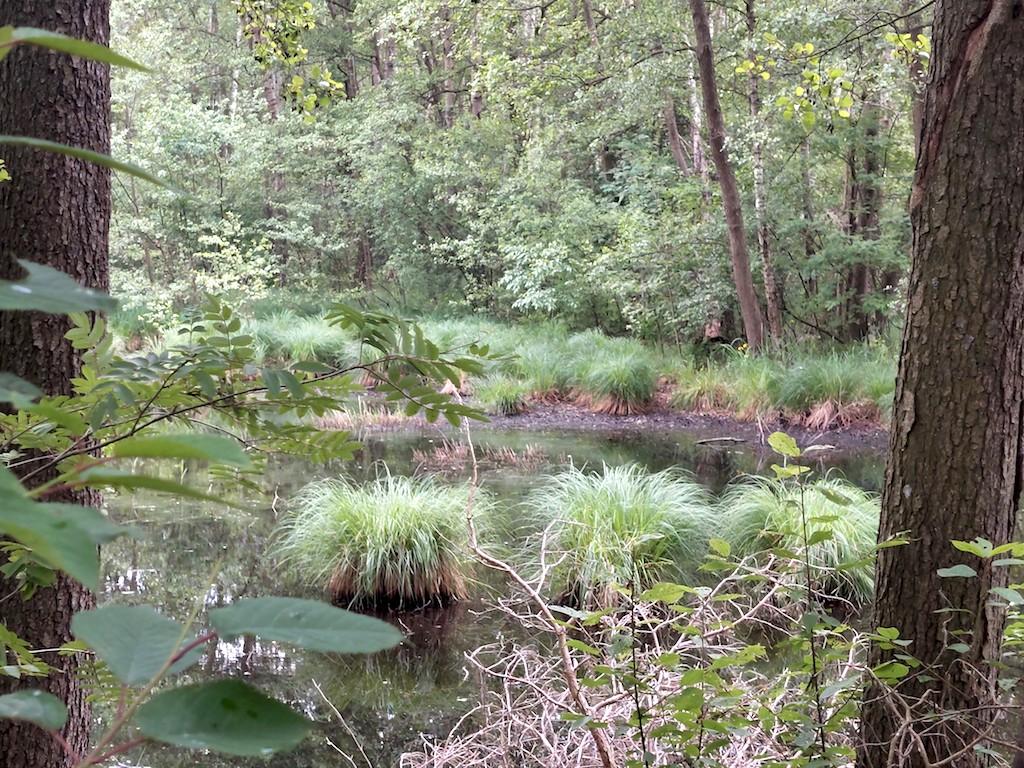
(56, 211)
(749, 307)
(863, 205)
(675, 141)
(773, 311)
(955, 447)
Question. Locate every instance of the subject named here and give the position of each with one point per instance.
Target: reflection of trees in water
(391, 700)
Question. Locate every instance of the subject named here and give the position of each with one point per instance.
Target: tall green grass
(624, 526)
(395, 542)
(617, 382)
(502, 395)
(765, 514)
(819, 391)
(286, 336)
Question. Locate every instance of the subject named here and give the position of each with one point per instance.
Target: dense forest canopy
(520, 159)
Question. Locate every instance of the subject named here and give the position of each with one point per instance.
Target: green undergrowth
(760, 517)
(818, 391)
(546, 362)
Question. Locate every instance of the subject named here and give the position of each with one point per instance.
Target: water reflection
(192, 557)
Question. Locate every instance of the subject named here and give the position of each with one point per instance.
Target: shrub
(625, 526)
(765, 514)
(396, 542)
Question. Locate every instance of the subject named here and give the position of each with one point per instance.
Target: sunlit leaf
(783, 444)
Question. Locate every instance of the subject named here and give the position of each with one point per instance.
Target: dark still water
(191, 557)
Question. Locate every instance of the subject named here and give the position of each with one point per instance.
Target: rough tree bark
(750, 309)
(955, 446)
(55, 211)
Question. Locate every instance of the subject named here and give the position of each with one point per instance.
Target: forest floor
(855, 438)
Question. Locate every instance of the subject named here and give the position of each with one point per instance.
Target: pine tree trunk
(56, 211)
(955, 447)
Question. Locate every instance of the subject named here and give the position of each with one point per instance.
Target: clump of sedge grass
(286, 336)
(618, 382)
(502, 394)
(397, 542)
(623, 527)
(765, 514)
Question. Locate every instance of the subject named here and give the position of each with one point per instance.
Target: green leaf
(221, 450)
(57, 534)
(891, 670)
(834, 496)
(87, 154)
(225, 716)
(721, 546)
(784, 445)
(49, 290)
(793, 470)
(97, 526)
(1012, 596)
(135, 641)
(665, 592)
(39, 707)
(17, 391)
(305, 623)
(103, 477)
(58, 42)
(957, 571)
(980, 547)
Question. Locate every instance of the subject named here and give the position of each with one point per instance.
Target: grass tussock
(764, 514)
(502, 395)
(618, 384)
(625, 526)
(286, 336)
(816, 391)
(397, 542)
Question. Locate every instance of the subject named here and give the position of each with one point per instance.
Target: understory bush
(394, 542)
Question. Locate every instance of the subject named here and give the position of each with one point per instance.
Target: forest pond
(190, 557)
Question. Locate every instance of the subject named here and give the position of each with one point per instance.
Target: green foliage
(762, 516)
(394, 542)
(623, 528)
(819, 391)
(618, 382)
(502, 395)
